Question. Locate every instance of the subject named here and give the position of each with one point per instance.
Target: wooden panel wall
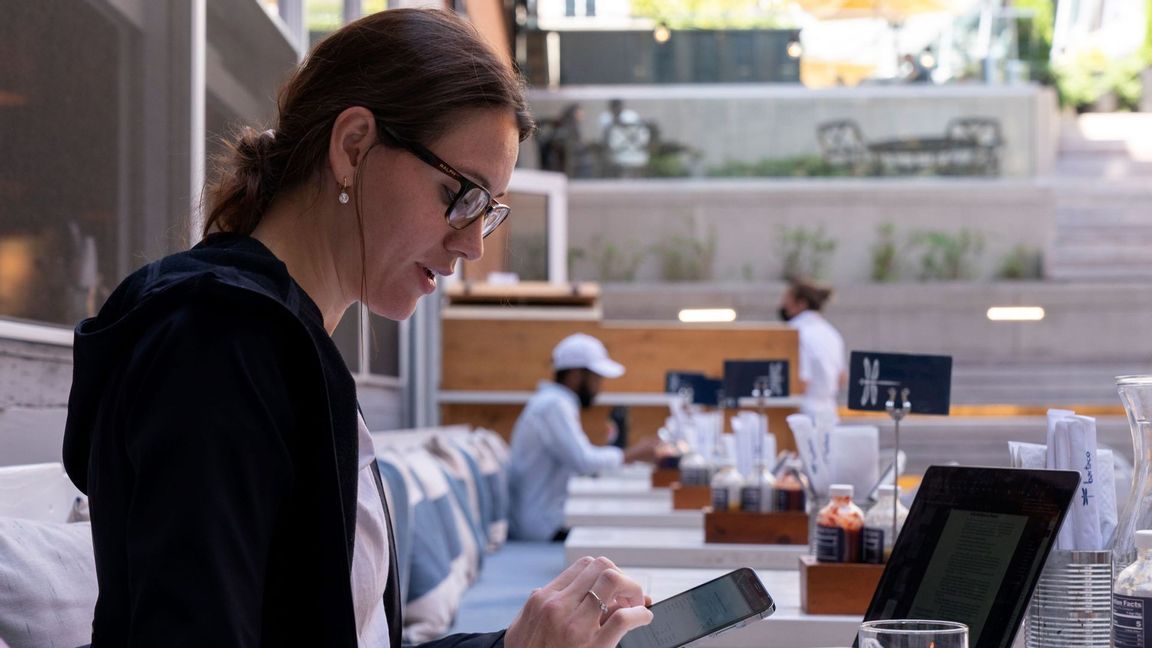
(515, 354)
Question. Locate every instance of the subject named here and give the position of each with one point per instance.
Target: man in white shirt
(549, 444)
(822, 357)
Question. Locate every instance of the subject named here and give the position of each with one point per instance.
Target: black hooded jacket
(212, 422)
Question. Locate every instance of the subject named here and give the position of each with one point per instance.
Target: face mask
(585, 394)
(784, 314)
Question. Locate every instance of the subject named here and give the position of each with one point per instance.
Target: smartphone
(731, 601)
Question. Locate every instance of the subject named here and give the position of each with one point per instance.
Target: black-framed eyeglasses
(470, 203)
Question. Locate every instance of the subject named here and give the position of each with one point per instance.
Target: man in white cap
(549, 444)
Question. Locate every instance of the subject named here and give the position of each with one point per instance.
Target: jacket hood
(103, 343)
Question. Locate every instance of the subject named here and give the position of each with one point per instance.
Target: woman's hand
(592, 604)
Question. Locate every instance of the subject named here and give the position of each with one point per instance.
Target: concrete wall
(35, 379)
(34, 383)
(1091, 332)
(746, 217)
(756, 121)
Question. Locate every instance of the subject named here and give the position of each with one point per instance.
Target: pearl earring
(343, 197)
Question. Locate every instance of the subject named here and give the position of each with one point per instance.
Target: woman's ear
(353, 133)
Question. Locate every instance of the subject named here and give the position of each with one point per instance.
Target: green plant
(804, 252)
(668, 165)
(1088, 75)
(885, 257)
(613, 262)
(684, 257)
(1022, 263)
(947, 256)
(799, 166)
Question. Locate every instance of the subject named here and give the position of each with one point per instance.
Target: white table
(616, 487)
(628, 512)
(671, 547)
(788, 627)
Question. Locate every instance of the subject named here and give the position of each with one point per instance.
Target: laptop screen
(973, 547)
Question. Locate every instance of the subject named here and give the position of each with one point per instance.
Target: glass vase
(1136, 394)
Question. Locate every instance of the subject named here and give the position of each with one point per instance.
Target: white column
(197, 96)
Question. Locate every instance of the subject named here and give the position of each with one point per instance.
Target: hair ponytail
(815, 295)
(246, 180)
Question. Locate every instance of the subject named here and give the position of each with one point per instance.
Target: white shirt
(370, 551)
(548, 447)
(821, 362)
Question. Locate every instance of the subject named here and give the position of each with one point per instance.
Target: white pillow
(47, 583)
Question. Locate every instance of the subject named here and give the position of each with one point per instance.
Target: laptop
(973, 547)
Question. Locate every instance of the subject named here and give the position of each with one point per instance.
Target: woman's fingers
(590, 604)
(578, 588)
(616, 589)
(620, 622)
(568, 575)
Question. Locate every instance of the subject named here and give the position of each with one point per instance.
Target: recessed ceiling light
(707, 315)
(1016, 313)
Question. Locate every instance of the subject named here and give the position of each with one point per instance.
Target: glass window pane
(62, 108)
(527, 225)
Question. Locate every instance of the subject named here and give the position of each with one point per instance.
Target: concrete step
(1120, 235)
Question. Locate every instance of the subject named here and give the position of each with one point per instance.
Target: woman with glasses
(234, 494)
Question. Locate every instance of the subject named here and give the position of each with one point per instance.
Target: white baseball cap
(580, 351)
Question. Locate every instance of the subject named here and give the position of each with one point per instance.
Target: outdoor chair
(977, 146)
(628, 146)
(842, 146)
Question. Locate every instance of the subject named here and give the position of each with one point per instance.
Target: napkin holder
(837, 588)
(784, 528)
(690, 498)
(664, 477)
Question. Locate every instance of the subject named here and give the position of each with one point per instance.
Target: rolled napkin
(854, 456)
(1106, 504)
(1076, 442)
(811, 452)
(1027, 455)
(1053, 445)
(754, 446)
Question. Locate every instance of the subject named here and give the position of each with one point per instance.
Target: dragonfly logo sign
(872, 375)
(871, 382)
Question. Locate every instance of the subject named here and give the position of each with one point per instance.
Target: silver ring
(603, 607)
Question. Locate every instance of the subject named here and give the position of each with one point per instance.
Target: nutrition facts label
(1129, 621)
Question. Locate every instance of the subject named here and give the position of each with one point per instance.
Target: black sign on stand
(928, 379)
(742, 376)
(704, 389)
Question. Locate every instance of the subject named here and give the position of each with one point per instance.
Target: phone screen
(703, 610)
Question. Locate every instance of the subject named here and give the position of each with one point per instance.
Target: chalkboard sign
(927, 377)
(741, 376)
(704, 389)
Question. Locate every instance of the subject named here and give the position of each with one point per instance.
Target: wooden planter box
(690, 498)
(756, 528)
(664, 477)
(837, 588)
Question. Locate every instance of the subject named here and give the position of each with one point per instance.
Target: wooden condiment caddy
(837, 588)
(690, 498)
(664, 477)
(788, 528)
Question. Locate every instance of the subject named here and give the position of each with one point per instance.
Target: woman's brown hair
(416, 70)
(815, 295)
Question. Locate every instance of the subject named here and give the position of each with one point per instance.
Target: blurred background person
(822, 359)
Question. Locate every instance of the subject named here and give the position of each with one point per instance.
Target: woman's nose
(468, 242)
